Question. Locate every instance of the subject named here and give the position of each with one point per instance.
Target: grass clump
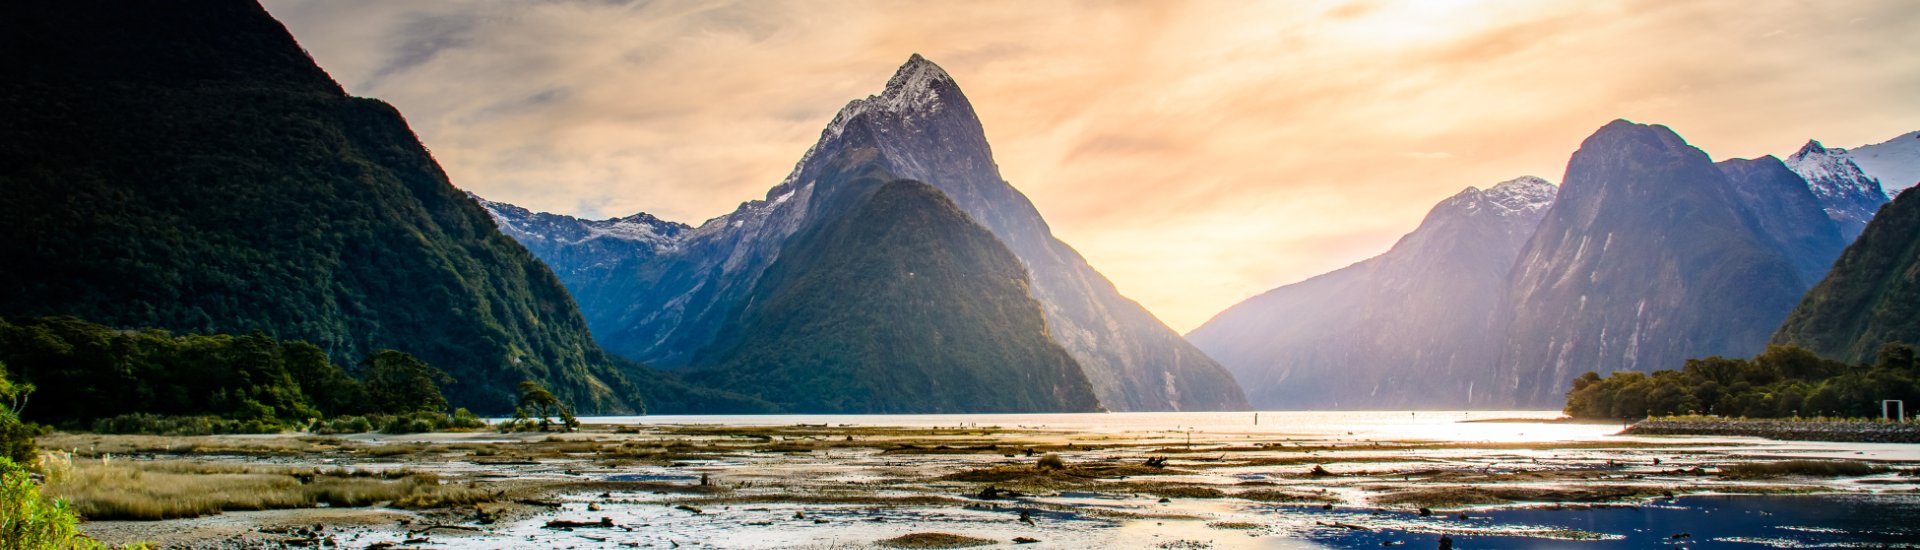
(935, 540)
(1812, 468)
(103, 490)
(1278, 496)
(1050, 461)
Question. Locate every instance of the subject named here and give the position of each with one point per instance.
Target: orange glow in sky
(1197, 153)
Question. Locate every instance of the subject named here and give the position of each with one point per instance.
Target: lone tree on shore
(539, 406)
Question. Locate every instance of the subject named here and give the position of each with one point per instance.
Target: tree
(330, 389)
(399, 383)
(1896, 356)
(539, 405)
(1797, 363)
(16, 438)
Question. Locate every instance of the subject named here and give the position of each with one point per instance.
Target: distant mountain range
(674, 296)
(1415, 327)
(1648, 254)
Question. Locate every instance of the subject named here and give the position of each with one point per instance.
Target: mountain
(1848, 194)
(1415, 327)
(194, 170)
(1895, 162)
(941, 321)
(667, 307)
(1647, 258)
(585, 248)
(1786, 212)
(1871, 297)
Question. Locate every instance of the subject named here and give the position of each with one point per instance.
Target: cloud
(1196, 153)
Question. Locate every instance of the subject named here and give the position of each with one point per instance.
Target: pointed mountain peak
(918, 91)
(916, 73)
(1812, 147)
(914, 88)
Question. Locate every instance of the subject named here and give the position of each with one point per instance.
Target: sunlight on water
(1331, 425)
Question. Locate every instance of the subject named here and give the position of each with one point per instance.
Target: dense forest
(1871, 296)
(1782, 382)
(193, 170)
(75, 374)
(941, 321)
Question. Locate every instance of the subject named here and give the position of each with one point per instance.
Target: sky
(1197, 153)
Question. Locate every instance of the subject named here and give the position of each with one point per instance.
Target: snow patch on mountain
(1522, 196)
(567, 230)
(1895, 162)
(1848, 194)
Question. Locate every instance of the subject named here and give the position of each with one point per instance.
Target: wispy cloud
(1197, 153)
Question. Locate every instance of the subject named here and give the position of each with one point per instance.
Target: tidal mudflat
(1194, 480)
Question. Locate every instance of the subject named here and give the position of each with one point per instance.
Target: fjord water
(1700, 521)
(1319, 425)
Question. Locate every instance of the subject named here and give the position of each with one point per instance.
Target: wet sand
(841, 486)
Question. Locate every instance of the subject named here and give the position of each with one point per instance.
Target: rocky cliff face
(666, 308)
(1648, 254)
(1416, 327)
(1646, 259)
(1784, 209)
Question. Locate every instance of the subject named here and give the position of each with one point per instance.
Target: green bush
(344, 425)
(153, 424)
(29, 522)
(16, 437)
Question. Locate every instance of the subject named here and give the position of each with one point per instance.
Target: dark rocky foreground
(1856, 431)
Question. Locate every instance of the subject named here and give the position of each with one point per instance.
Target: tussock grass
(935, 540)
(1813, 468)
(1279, 496)
(107, 490)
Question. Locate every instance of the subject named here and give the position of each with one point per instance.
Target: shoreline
(839, 486)
(1786, 430)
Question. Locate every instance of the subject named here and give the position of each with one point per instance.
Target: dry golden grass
(106, 489)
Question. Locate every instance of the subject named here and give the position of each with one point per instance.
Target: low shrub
(153, 424)
(28, 521)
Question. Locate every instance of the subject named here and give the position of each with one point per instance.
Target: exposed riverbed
(1187, 480)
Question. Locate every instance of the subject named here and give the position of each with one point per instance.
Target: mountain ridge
(919, 127)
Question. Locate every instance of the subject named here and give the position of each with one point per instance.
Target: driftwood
(1347, 526)
(604, 523)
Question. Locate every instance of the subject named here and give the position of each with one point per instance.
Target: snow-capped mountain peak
(913, 92)
(1522, 195)
(1848, 194)
(523, 224)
